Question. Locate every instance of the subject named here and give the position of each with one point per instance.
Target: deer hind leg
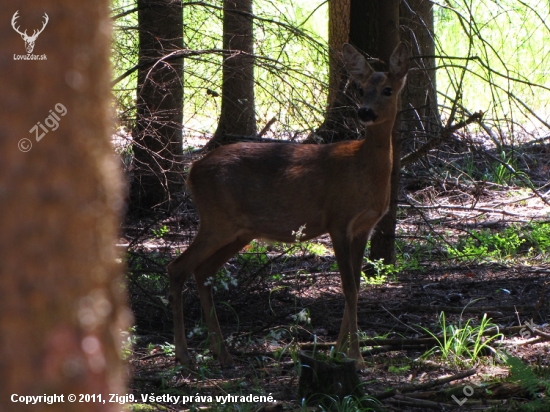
(343, 248)
(205, 245)
(208, 270)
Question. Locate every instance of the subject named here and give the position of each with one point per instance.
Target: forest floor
(465, 251)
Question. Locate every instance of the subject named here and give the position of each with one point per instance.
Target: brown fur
(248, 191)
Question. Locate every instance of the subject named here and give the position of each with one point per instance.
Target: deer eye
(387, 91)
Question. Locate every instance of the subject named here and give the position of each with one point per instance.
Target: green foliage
(400, 370)
(161, 231)
(528, 379)
(254, 255)
(302, 317)
(504, 171)
(143, 407)
(316, 249)
(537, 236)
(533, 238)
(381, 272)
(169, 349)
(129, 341)
(146, 271)
(224, 279)
(463, 341)
(485, 244)
(489, 69)
(124, 56)
(347, 404)
(521, 373)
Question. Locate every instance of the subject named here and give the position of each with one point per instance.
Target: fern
(521, 373)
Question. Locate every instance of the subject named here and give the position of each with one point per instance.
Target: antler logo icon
(29, 40)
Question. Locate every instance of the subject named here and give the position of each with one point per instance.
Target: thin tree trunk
(61, 300)
(238, 117)
(158, 131)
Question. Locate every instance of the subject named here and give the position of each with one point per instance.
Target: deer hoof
(360, 365)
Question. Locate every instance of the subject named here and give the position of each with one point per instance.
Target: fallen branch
(401, 400)
(423, 386)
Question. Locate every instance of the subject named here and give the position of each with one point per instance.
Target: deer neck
(377, 155)
(378, 141)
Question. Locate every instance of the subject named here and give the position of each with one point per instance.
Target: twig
(445, 134)
(408, 401)
(469, 209)
(267, 126)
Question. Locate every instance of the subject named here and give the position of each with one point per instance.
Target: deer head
(379, 90)
(29, 40)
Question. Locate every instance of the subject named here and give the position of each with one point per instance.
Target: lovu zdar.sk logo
(29, 40)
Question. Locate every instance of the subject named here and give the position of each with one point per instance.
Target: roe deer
(247, 191)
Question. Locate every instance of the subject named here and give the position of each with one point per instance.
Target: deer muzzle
(367, 115)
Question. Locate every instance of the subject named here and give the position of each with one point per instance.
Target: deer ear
(399, 61)
(356, 64)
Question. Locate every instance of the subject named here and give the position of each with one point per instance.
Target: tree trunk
(341, 119)
(383, 238)
(323, 379)
(421, 103)
(237, 117)
(61, 300)
(420, 117)
(374, 28)
(158, 131)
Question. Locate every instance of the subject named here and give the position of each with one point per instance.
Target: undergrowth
(527, 241)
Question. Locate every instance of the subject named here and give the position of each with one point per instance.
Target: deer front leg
(358, 245)
(343, 251)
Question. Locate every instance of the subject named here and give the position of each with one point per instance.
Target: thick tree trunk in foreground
(61, 299)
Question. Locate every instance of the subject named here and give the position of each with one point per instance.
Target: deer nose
(366, 115)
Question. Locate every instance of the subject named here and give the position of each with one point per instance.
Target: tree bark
(340, 120)
(323, 379)
(237, 117)
(420, 116)
(61, 299)
(158, 131)
(383, 238)
(373, 27)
